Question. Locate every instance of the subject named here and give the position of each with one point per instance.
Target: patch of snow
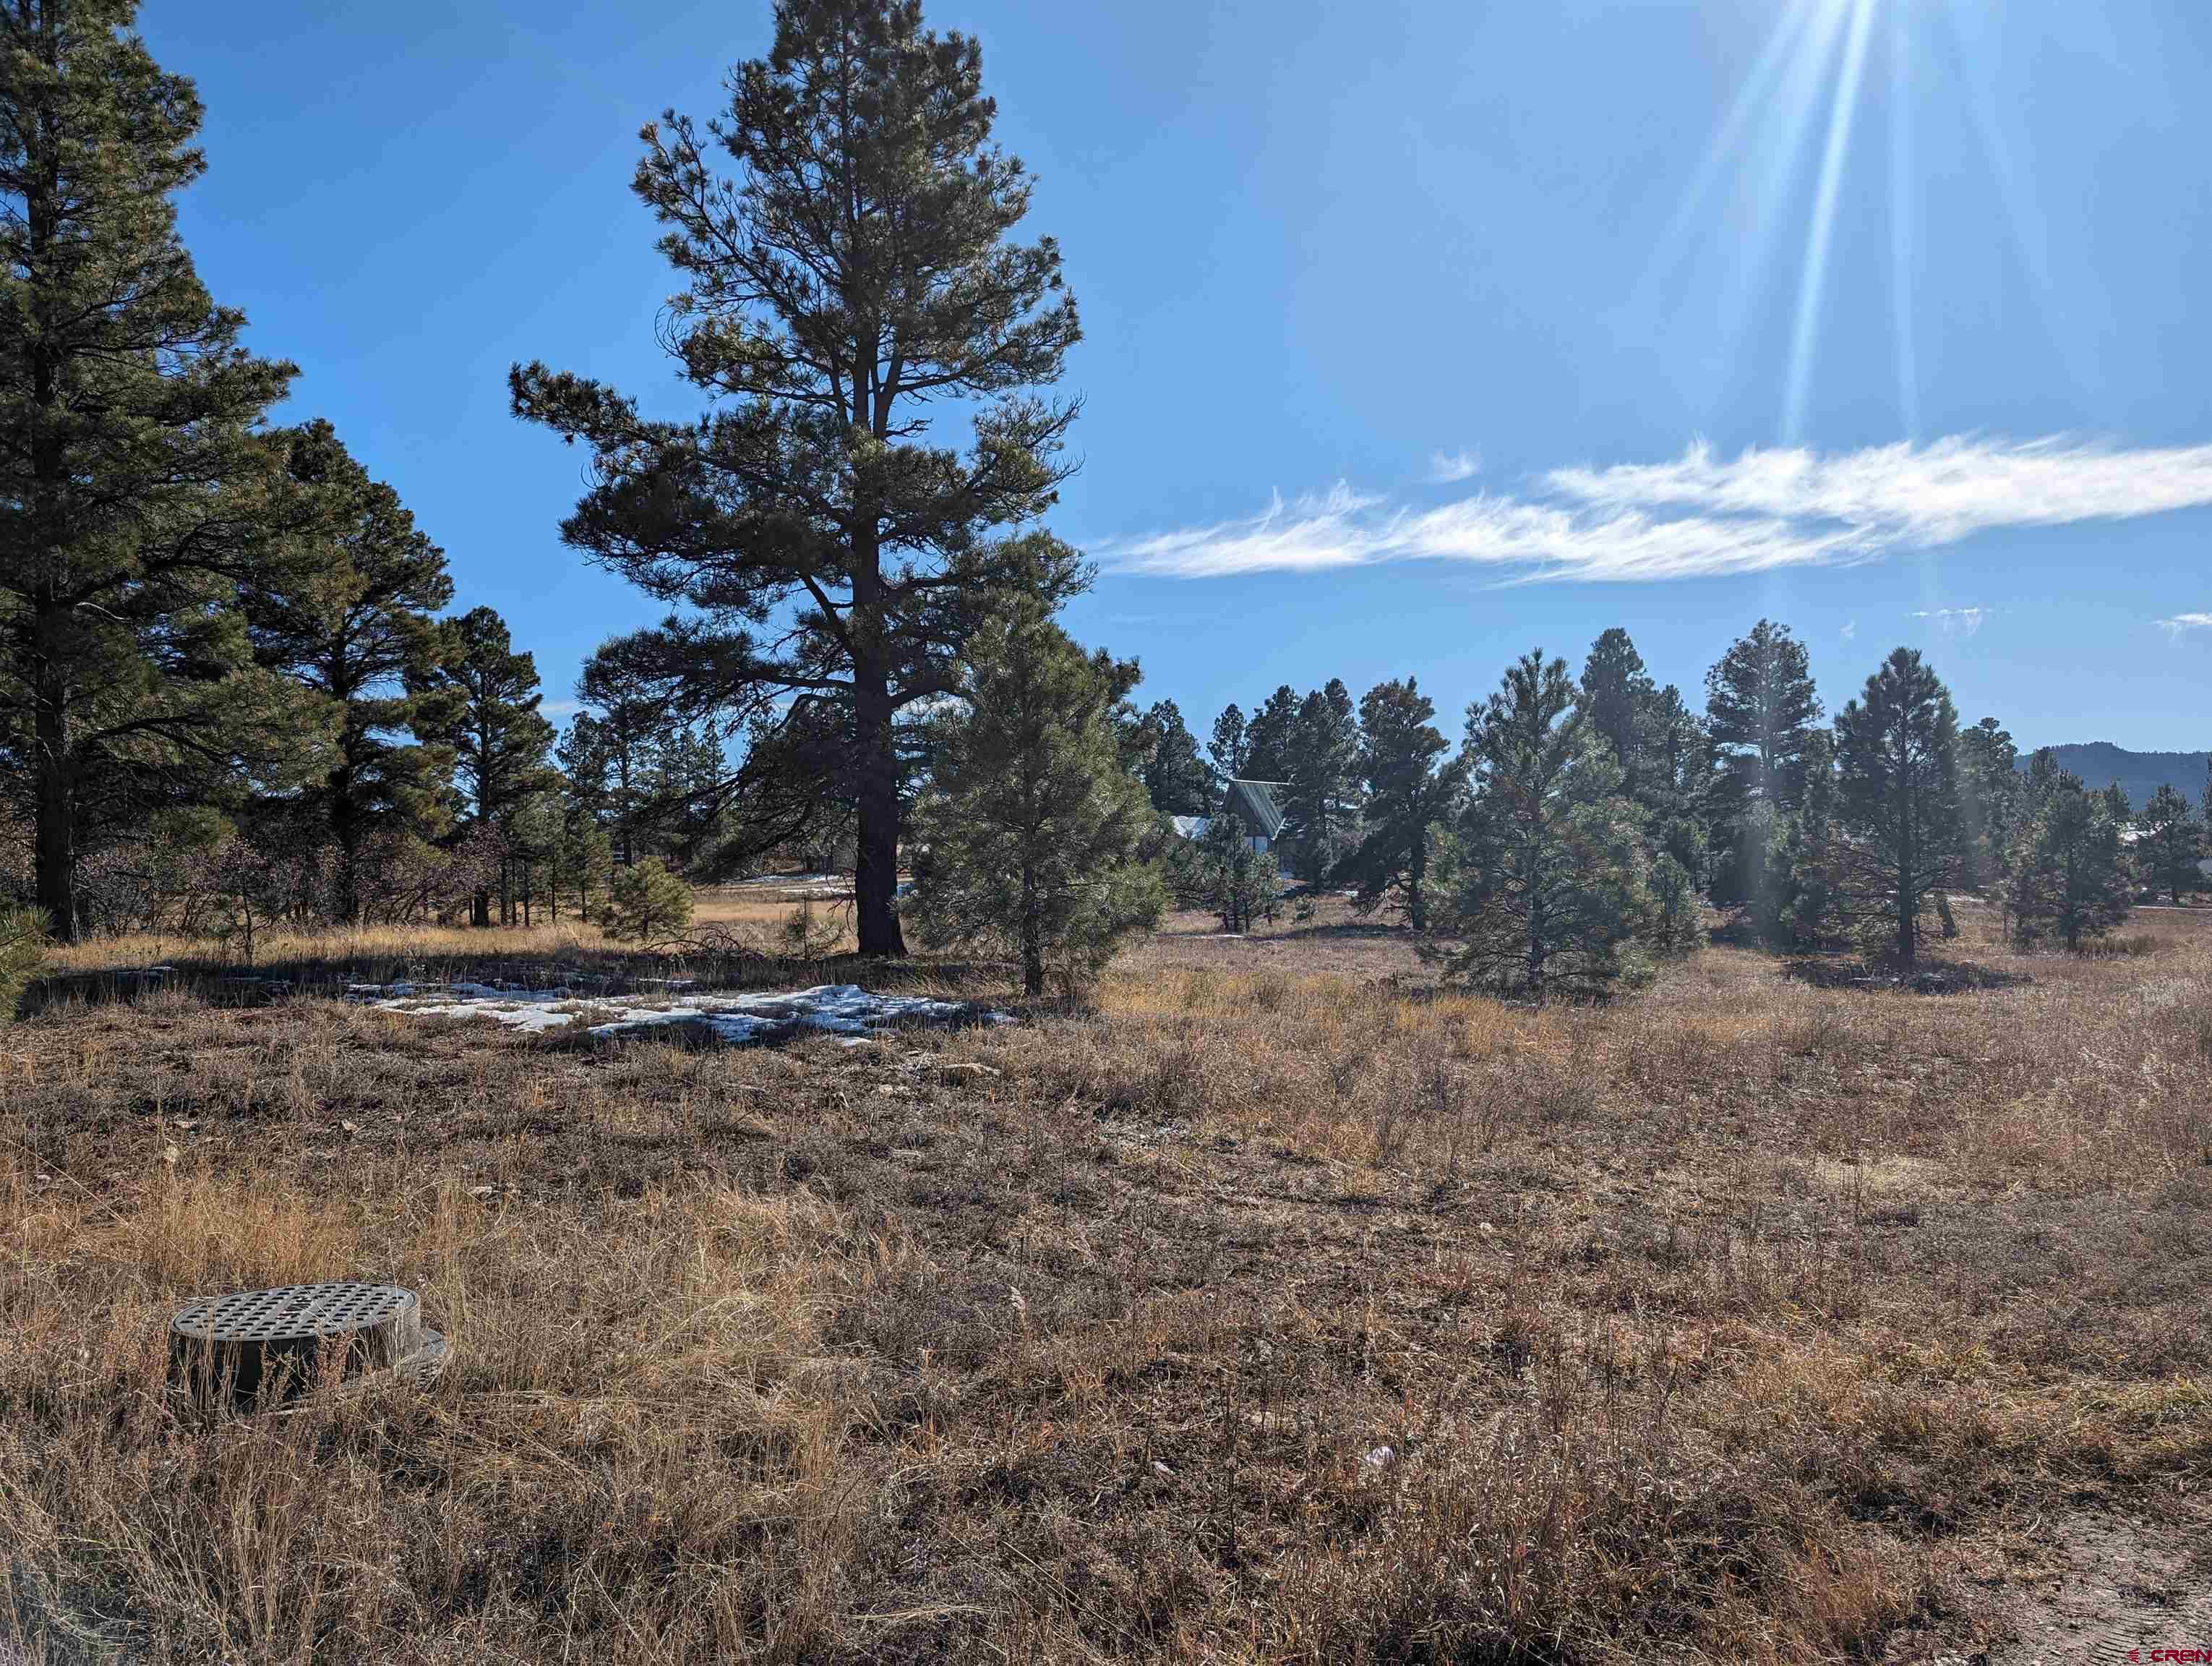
(842, 1009)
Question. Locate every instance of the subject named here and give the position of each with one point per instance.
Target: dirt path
(2115, 1589)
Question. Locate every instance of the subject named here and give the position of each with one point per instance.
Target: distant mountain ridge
(2099, 762)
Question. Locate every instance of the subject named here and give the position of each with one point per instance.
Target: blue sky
(1416, 336)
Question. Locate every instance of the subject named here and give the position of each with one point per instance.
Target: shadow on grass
(1928, 977)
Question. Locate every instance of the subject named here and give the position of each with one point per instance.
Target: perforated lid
(294, 1313)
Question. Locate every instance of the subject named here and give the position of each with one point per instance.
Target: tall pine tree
(1761, 706)
(137, 498)
(2068, 879)
(1322, 797)
(1175, 775)
(1551, 896)
(357, 630)
(1271, 738)
(488, 714)
(1408, 797)
(1227, 747)
(1619, 700)
(1897, 763)
(1034, 830)
(2172, 844)
(627, 684)
(1989, 796)
(855, 272)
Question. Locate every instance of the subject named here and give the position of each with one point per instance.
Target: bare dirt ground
(1282, 1308)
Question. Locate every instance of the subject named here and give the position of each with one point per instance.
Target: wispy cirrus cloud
(2186, 621)
(1449, 468)
(1701, 514)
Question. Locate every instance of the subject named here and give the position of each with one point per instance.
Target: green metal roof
(1253, 802)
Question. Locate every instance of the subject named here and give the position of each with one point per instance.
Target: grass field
(1284, 1309)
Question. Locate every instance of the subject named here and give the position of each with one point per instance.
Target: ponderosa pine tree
(486, 712)
(856, 272)
(1174, 773)
(1676, 781)
(1619, 700)
(1760, 706)
(1407, 797)
(2068, 879)
(1897, 801)
(137, 498)
(1812, 853)
(1551, 895)
(628, 685)
(1240, 883)
(1321, 803)
(356, 630)
(1035, 829)
(1271, 738)
(1989, 796)
(2172, 844)
(2038, 782)
(1227, 747)
(2116, 805)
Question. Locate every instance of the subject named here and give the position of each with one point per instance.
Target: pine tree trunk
(55, 855)
(347, 832)
(1032, 940)
(875, 875)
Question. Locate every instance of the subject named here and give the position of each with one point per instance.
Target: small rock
(1381, 1458)
(1161, 1469)
(350, 1128)
(481, 1191)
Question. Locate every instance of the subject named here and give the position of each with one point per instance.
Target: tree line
(229, 679)
(234, 687)
(1587, 817)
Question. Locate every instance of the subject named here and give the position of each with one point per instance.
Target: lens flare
(1814, 283)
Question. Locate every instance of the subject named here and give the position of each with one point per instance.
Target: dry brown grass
(1741, 1321)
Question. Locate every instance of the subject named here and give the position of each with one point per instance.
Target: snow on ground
(836, 886)
(843, 1009)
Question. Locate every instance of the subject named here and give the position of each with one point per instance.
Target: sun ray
(1750, 100)
(1901, 212)
(1774, 157)
(1812, 284)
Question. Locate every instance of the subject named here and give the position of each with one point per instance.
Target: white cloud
(1449, 468)
(1850, 630)
(553, 709)
(1915, 495)
(1957, 621)
(1701, 515)
(2181, 622)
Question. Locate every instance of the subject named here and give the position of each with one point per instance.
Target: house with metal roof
(1258, 809)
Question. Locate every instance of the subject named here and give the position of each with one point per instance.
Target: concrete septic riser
(283, 1340)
